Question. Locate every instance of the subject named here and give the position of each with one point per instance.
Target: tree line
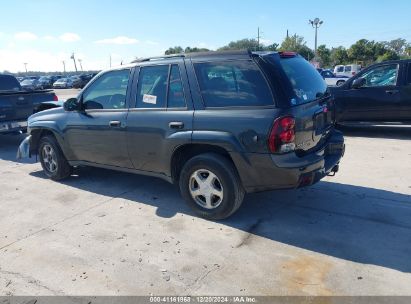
(364, 52)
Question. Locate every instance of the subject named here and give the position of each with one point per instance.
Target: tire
(340, 83)
(219, 176)
(52, 160)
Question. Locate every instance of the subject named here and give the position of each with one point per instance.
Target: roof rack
(158, 58)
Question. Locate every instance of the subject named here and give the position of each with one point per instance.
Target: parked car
(63, 83)
(17, 105)
(380, 93)
(218, 124)
(331, 79)
(84, 79)
(30, 84)
(46, 82)
(347, 70)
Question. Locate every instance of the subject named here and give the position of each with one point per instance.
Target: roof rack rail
(158, 58)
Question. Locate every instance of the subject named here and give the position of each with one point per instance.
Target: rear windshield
(307, 83)
(9, 83)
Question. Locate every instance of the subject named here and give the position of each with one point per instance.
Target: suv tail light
(282, 135)
(55, 98)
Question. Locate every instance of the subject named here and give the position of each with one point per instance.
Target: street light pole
(25, 66)
(316, 23)
(74, 60)
(64, 66)
(81, 66)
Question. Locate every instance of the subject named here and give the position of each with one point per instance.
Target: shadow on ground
(354, 223)
(358, 224)
(388, 132)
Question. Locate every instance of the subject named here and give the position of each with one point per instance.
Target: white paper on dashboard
(149, 99)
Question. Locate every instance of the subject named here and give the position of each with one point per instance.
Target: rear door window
(231, 84)
(348, 68)
(152, 87)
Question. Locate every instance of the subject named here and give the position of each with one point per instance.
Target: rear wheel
(210, 185)
(52, 160)
(340, 83)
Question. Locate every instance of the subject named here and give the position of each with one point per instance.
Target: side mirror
(72, 104)
(358, 83)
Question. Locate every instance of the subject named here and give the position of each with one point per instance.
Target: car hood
(50, 114)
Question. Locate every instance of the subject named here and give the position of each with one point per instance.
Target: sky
(44, 33)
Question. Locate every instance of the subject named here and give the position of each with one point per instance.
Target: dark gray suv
(218, 124)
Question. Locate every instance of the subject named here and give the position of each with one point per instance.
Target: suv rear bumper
(264, 172)
(13, 126)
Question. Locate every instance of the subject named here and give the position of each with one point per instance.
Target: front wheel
(52, 160)
(210, 185)
(340, 83)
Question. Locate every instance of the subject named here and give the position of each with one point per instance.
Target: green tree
(407, 50)
(297, 44)
(272, 47)
(243, 44)
(324, 55)
(388, 55)
(397, 45)
(174, 50)
(362, 51)
(195, 50)
(339, 55)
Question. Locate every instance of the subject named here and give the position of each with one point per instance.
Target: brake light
(287, 54)
(55, 98)
(282, 135)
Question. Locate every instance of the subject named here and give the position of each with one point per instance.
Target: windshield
(27, 81)
(307, 83)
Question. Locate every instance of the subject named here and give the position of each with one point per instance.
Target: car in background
(30, 85)
(378, 94)
(84, 79)
(63, 83)
(75, 80)
(331, 79)
(46, 82)
(348, 70)
(16, 104)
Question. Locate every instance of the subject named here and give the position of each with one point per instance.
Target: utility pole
(110, 60)
(81, 66)
(74, 60)
(258, 38)
(25, 66)
(64, 66)
(316, 23)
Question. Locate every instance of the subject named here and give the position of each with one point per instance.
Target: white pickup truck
(331, 79)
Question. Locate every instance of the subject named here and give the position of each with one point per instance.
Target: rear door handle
(391, 92)
(114, 123)
(176, 125)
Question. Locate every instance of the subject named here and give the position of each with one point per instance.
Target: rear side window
(175, 89)
(8, 83)
(348, 68)
(230, 84)
(307, 83)
(409, 74)
(152, 87)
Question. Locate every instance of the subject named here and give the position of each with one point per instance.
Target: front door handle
(114, 123)
(391, 92)
(176, 125)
